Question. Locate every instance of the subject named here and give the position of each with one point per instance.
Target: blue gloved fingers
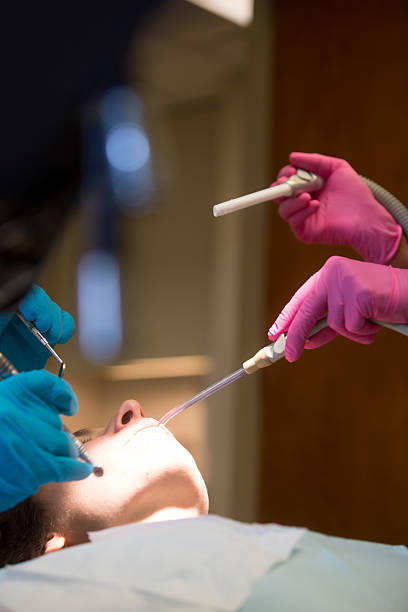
(67, 329)
(35, 306)
(51, 439)
(55, 324)
(47, 387)
(5, 318)
(62, 326)
(21, 347)
(72, 469)
(33, 448)
(43, 467)
(29, 430)
(50, 324)
(20, 409)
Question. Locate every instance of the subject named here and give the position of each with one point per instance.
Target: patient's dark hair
(24, 532)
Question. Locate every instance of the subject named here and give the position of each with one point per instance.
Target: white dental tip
(257, 197)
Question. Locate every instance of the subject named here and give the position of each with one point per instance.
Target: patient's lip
(145, 423)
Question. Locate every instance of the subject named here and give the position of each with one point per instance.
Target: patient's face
(145, 471)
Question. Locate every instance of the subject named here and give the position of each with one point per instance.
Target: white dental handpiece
(303, 180)
(276, 350)
(273, 352)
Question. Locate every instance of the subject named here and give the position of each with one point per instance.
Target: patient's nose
(128, 413)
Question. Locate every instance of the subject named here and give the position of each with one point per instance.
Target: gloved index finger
(56, 324)
(40, 433)
(312, 309)
(34, 303)
(51, 389)
(68, 327)
(287, 171)
(289, 312)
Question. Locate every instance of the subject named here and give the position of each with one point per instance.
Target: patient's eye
(86, 434)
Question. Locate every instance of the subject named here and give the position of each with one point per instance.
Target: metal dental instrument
(264, 357)
(43, 341)
(7, 369)
(303, 180)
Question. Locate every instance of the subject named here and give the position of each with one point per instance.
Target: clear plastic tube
(201, 396)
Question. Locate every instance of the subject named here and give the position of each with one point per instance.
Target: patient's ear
(55, 542)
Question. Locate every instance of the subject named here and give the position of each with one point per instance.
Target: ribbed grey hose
(390, 202)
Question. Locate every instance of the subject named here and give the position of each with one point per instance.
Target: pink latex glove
(344, 211)
(348, 292)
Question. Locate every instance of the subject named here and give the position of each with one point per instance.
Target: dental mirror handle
(303, 180)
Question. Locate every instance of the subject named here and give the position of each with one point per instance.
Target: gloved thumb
(322, 165)
(72, 469)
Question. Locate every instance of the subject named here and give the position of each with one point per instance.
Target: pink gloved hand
(348, 292)
(344, 211)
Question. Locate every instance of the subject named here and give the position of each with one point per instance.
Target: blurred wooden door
(335, 424)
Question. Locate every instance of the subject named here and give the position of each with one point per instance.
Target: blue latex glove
(33, 449)
(19, 345)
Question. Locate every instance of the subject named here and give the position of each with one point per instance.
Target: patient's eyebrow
(88, 433)
(82, 432)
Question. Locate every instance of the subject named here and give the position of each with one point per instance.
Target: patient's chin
(202, 503)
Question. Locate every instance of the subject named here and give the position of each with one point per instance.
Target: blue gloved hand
(20, 346)
(33, 449)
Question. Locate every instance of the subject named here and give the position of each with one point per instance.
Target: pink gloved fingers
(293, 205)
(281, 324)
(343, 315)
(363, 336)
(360, 339)
(286, 172)
(314, 162)
(324, 336)
(312, 309)
(297, 222)
(279, 181)
(356, 323)
(289, 312)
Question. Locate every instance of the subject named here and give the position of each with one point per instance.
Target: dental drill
(7, 369)
(266, 356)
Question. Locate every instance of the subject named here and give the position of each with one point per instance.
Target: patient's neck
(171, 514)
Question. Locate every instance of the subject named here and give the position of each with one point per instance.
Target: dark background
(335, 452)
